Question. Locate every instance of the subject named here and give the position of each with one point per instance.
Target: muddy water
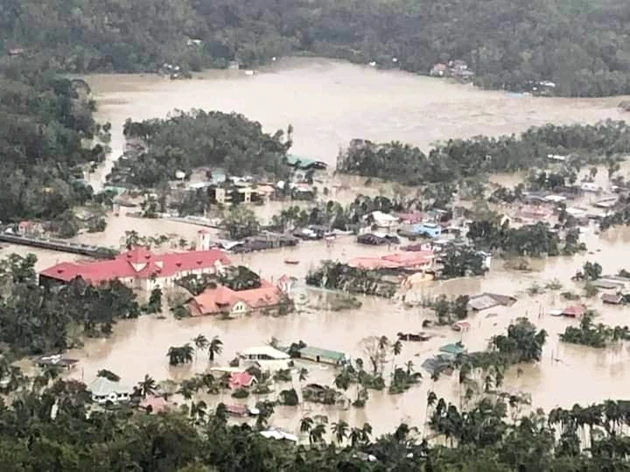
(330, 103)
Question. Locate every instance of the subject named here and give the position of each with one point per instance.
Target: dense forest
(44, 120)
(583, 46)
(38, 320)
(462, 158)
(185, 141)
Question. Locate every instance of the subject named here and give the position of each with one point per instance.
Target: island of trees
(574, 48)
(458, 159)
(187, 141)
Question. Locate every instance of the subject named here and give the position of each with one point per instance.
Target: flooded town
(282, 334)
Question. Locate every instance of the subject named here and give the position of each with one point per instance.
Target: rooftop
(265, 351)
(326, 353)
(103, 387)
(138, 262)
(221, 298)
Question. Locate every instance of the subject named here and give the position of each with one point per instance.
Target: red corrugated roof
(574, 311)
(137, 263)
(241, 379)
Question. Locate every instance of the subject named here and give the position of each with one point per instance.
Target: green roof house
(453, 349)
(305, 163)
(323, 356)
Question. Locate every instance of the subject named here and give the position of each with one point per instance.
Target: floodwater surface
(329, 103)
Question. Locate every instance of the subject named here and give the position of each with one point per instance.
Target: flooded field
(329, 103)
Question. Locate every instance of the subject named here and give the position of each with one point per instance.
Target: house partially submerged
(104, 390)
(398, 262)
(377, 239)
(56, 361)
(138, 268)
(486, 301)
(574, 311)
(241, 380)
(612, 298)
(324, 356)
(153, 404)
(453, 350)
(382, 220)
(221, 300)
(265, 357)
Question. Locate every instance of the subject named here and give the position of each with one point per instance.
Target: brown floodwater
(329, 103)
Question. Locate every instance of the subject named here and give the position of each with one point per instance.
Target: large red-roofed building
(139, 268)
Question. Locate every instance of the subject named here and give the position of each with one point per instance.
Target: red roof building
(223, 300)
(241, 380)
(574, 311)
(139, 268)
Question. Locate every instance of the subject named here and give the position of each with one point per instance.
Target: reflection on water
(330, 103)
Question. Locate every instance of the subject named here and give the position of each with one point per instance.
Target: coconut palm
(306, 424)
(198, 410)
(303, 374)
(200, 342)
(317, 433)
(146, 386)
(180, 354)
(355, 436)
(215, 347)
(340, 430)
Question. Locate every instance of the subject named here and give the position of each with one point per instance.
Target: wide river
(329, 103)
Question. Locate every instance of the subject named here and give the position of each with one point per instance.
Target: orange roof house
(223, 300)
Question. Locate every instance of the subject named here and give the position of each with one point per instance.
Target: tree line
(45, 122)
(582, 47)
(38, 320)
(186, 141)
(458, 159)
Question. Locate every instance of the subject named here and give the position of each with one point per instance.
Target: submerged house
(486, 301)
(139, 268)
(428, 229)
(324, 356)
(221, 300)
(104, 390)
(266, 357)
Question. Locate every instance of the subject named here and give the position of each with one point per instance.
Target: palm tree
(200, 342)
(180, 355)
(215, 347)
(198, 410)
(366, 432)
(356, 434)
(303, 374)
(147, 386)
(317, 433)
(306, 424)
(340, 430)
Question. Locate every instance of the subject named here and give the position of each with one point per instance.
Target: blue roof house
(432, 230)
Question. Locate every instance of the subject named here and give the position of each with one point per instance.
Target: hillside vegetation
(581, 45)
